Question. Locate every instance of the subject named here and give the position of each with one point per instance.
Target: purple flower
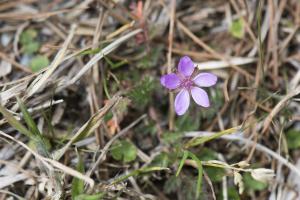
(188, 84)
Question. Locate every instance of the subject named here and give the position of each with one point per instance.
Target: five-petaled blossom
(187, 83)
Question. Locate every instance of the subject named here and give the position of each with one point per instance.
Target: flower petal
(182, 102)
(200, 96)
(170, 81)
(205, 79)
(186, 66)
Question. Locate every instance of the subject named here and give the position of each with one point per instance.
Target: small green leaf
(252, 184)
(38, 63)
(98, 196)
(78, 184)
(124, 150)
(293, 139)
(28, 36)
(28, 42)
(31, 48)
(237, 28)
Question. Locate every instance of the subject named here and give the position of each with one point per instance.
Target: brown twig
(169, 58)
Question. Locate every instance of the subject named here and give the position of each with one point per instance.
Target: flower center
(186, 83)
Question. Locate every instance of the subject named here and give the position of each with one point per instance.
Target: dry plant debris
(84, 115)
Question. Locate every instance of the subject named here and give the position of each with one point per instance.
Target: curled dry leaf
(263, 174)
(238, 180)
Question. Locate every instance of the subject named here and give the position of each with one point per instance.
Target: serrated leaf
(38, 62)
(172, 184)
(124, 150)
(237, 28)
(141, 92)
(150, 59)
(161, 160)
(207, 154)
(78, 184)
(171, 137)
(293, 139)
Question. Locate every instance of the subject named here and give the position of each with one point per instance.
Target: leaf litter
(83, 114)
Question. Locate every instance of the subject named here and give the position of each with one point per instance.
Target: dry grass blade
(99, 79)
(54, 163)
(42, 79)
(8, 180)
(103, 53)
(14, 63)
(198, 41)
(12, 194)
(108, 144)
(88, 127)
(4, 5)
(246, 141)
(11, 92)
(278, 107)
(223, 64)
(120, 30)
(27, 16)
